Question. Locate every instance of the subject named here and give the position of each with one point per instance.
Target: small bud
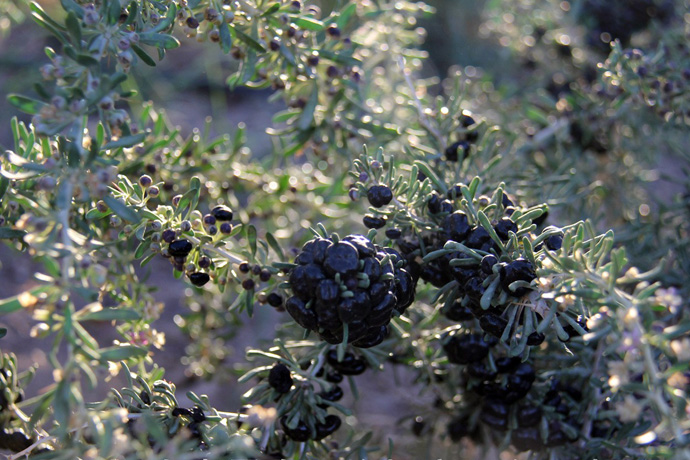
(153, 191)
(185, 226)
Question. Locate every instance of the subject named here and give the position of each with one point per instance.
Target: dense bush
(455, 229)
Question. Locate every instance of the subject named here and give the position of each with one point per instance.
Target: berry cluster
(178, 248)
(281, 381)
(349, 282)
(499, 387)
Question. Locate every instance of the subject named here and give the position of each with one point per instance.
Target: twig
(423, 119)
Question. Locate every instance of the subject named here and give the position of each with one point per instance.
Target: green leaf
(345, 15)
(72, 23)
(163, 41)
(122, 353)
(17, 302)
(7, 233)
(308, 23)
(225, 38)
(272, 9)
(111, 314)
(274, 245)
(308, 112)
(249, 41)
(251, 237)
(125, 142)
(25, 104)
(148, 60)
(87, 60)
(121, 209)
(114, 11)
(4, 184)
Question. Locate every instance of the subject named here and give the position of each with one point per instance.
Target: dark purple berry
(528, 415)
(209, 219)
(248, 284)
(244, 267)
(465, 348)
(504, 226)
(226, 228)
(488, 263)
(376, 222)
(535, 338)
(305, 317)
(301, 433)
(393, 233)
(204, 262)
(458, 312)
(180, 248)
(454, 149)
(168, 235)
(350, 365)
(274, 300)
(493, 324)
(518, 270)
(524, 439)
(456, 226)
(330, 425)
(199, 278)
(341, 258)
(379, 195)
(280, 378)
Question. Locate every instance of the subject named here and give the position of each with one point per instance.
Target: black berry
(199, 278)
(279, 378)
(379, 195)
(180, 248)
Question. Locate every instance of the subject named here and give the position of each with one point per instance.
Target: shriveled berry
(199, 278)
(180, 248)
(456, 226)
(305, 317)
(477, 238)
(518, 270)
(280, 378)
(379, 195)
(465, 348)
(504, 226)
(493, 324)
(341, 258)
(305, 278)
(376, 222)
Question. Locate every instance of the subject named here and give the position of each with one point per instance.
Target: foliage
(530, 337)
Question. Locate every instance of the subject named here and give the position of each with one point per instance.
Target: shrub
(425, 244)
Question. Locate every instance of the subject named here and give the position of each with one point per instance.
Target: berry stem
(231, 257)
